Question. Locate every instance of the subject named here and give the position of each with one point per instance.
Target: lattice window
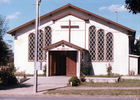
(101, 45)
(31, 47)
(47, 36)
(109, 46)
(92, 43)
(40, 45)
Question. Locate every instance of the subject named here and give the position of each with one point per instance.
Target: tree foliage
(138, 47)
(5, 53)
(133, 5)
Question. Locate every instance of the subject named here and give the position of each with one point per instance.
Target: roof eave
(69, 5)
(66, 43)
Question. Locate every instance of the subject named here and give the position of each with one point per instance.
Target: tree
(5, 52)
(138, 47)
(133, 5)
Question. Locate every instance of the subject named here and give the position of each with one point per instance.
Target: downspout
(128, 57)
(85, 34)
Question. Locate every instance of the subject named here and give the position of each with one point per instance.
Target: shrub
(85, 68)
(109, 70)
(44, 70)
(7, 77)
(131, 73)
(11, 67)
(75, 81)
(83, 79)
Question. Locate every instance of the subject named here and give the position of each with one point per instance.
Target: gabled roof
(70, 6)
(63, 42)
(70, 13)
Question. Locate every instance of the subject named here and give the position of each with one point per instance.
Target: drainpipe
(128, 57)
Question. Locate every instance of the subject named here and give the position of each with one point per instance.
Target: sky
(18, 12)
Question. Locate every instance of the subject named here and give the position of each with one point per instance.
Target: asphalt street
(62, 98)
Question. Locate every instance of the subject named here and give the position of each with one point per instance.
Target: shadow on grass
(52, 89)
(19, 85)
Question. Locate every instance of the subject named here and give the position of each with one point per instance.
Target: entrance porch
(63, 58)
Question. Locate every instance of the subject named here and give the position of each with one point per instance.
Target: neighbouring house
(69, 35)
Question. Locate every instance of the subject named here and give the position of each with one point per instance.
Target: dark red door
(52, 63)
(71, 63)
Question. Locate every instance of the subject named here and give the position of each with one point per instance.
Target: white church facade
(69, 35)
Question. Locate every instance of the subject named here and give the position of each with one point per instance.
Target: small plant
(109, 69)
(75, 81)
(44, 70)
(24, 75)
(131, 73)
(119, 79)
(85, 68)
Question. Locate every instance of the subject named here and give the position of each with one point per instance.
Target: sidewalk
(46, 84)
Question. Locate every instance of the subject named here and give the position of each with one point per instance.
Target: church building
(69, 35)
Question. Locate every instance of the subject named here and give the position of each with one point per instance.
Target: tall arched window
(40, 45)
(31, 47)
(100, 45)
(92, 43)
(109, 47)
(47, 36)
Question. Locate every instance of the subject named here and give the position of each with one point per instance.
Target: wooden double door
(62, 63)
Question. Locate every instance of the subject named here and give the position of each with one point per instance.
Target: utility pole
(116, 16)
(35, 59)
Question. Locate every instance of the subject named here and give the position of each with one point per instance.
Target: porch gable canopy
(63, 46)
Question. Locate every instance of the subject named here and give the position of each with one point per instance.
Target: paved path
(44, 84)
(48, 83)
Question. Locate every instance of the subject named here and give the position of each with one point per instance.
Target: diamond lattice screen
(109, 47)
(40, 45)
(100, 45)
(92, 43)
(31, 47)
(47, 36)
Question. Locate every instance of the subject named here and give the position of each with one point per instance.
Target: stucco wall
(133, 64)
(79, 37)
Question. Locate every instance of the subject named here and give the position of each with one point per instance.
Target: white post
(116, 16)
(47, 67)
(78, 65)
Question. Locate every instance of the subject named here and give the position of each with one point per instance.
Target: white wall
(134, 63)
(77, 34)
(79, 37)
(120, 49)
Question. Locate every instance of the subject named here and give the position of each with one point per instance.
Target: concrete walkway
(48, 83)
(44, 84)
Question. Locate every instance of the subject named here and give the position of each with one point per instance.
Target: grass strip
(94, 92)
(124, 83)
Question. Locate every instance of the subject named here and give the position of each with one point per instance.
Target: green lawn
(124, 83)
(94, 92)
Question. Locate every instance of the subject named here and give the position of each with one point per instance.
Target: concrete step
(101, 79)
